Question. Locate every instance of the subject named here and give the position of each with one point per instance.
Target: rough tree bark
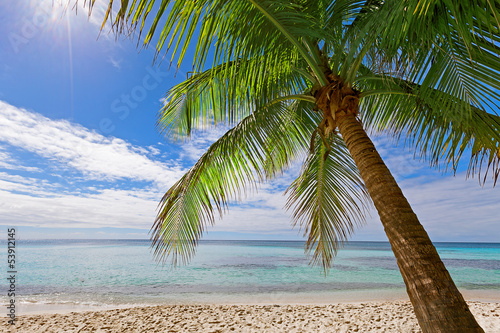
(438, 305)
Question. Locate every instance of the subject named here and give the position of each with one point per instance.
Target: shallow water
(113, 272)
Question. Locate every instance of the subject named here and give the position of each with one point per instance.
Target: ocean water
(121, 272)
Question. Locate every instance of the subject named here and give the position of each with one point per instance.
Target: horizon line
(229, 240)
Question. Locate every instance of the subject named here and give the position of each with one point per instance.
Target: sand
(357, 317)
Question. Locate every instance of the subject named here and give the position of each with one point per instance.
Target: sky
(80, 156)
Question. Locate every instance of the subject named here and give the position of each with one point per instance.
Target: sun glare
(62, 16)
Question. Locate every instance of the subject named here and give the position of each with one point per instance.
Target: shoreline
(388, 316)
(291, 298)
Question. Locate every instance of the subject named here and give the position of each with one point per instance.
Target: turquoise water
(124, 271)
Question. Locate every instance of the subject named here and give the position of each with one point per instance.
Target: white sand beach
(394, 316)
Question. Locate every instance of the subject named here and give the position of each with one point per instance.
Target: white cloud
(154, 151)
(115, 62)
(199, 142)
(448, 207)
(400, 160)
(452, 208)
(107, 208)
(74, 146)
(9, 162)
(71, 147)
(31, 186)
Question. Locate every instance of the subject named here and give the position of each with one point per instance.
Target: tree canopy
(424, 70)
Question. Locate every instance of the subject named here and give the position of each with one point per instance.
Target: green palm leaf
(328, 199)
(451, 111)
(266, 52)
(261, 145)
(227, 94)
(440, 126)
(247, 26)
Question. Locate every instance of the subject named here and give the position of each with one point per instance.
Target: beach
(396, 316)
(233, 286)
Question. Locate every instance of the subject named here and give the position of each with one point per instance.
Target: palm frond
(421, 22)
(439, 76)
(465, 32)
(227, 93)
(279, 156)
(261, 145)
(440, 126)
(328, 199)
(428, 70)
(224, 30)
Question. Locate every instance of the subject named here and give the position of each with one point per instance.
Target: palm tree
(310, 78)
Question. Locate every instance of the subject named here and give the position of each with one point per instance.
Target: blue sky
(80, 156)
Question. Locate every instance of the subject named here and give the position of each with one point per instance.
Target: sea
(124, 273)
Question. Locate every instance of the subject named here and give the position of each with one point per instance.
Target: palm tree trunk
(438, 304)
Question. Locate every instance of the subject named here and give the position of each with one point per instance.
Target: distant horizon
(369, 233)
(233, 240)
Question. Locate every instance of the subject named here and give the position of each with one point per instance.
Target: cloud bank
(74, 146)
(117, 184)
